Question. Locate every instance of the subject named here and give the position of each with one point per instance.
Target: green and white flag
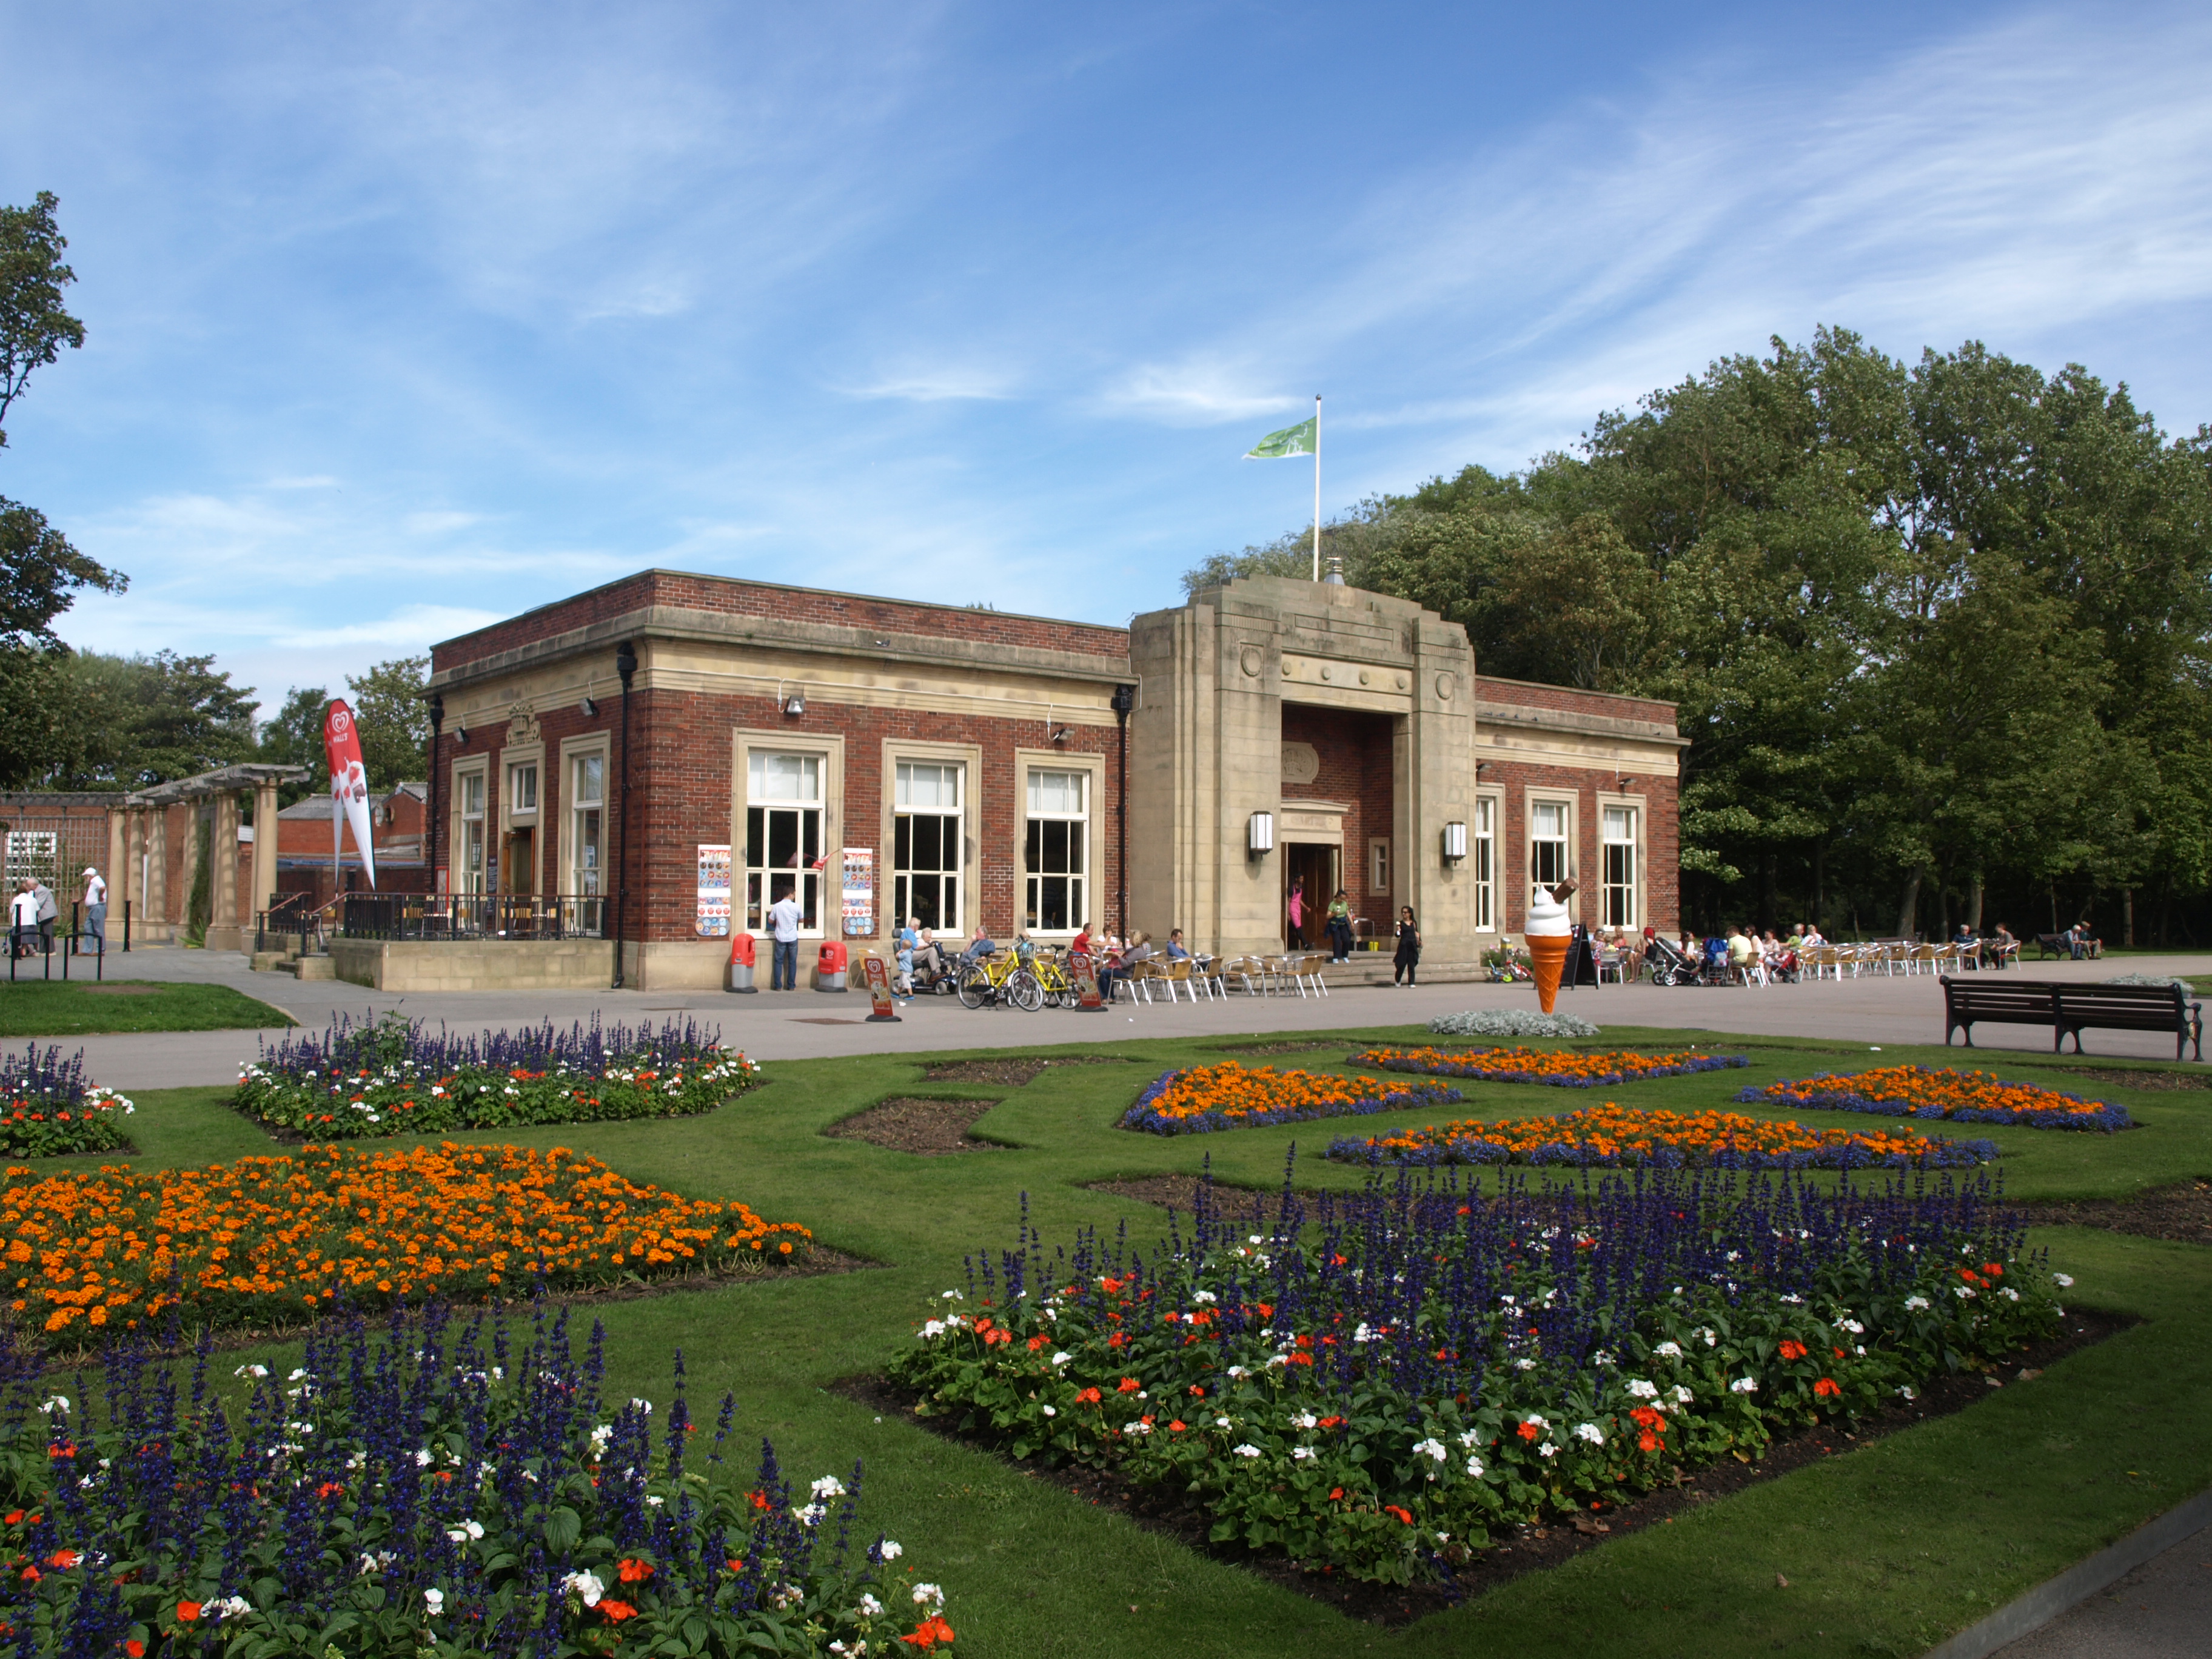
(1303, 439)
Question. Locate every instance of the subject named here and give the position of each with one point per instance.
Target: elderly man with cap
(96, 909)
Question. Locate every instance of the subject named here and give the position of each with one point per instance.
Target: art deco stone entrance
(1345, 718)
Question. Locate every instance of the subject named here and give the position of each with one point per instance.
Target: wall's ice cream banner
(1549, 934)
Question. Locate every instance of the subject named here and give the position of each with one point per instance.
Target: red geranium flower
(1792, 1350)
(634, 1572)
(1826, 1388)
(615, 1611)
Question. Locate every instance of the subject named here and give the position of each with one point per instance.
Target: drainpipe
(430, 824)
(625, 666)
(1124, 699)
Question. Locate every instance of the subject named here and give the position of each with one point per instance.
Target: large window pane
(783, 852)
(927, 835)
(1053, 851)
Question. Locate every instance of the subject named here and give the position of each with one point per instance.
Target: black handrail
(471, 917)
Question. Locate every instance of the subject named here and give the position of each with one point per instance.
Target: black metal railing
(463, 916)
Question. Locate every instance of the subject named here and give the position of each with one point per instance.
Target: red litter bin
(740, 978)
(830, 967)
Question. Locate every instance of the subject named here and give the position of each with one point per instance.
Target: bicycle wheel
(1023, 991)
(974, 988)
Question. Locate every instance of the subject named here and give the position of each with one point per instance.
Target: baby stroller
(1717, 968)
(1668, 965)
(1786, 967)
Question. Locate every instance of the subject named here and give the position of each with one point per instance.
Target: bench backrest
(2013, 997)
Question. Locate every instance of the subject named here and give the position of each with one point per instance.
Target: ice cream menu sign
(860, 892)
(713, 920)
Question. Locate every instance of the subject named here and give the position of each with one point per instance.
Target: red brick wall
(681, 790)
(1354, 750)
(1661, 878)
(744, 599)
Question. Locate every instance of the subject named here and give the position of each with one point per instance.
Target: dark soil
(2182, 1211)
(1527, 1549)
(1180, 1192)
(1012, 1073)
(928, 1128)
(2066, 1078)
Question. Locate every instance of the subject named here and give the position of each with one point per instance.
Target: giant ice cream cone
(1549, 935)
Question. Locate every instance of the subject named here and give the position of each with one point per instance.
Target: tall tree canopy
(1931, 628)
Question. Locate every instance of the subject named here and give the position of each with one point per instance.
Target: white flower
(829, 1486)
(1601, 1358)
(1906, 1393)
(1744, 1385)
(2009, 1294)
(1052, 1411)
(1474, 1468)
(1711, 1335)
(1682, 1395)
(232, 1606)
(809, 1514)
(587, 1586)
(1237, 1370)
(434, 1601)
(1916, 1303)
(251, 1370)
(299, 1373)
(890, 1550)
(58, 1403)
(1524, 1364)
(1061, 1358)
(1667, 1351)
(1431, 1448)
(1643, 1390)
(931, 1328)
(1852, 1326)
(2064, 1281)
(1305, 1419)
(1221, 1423)
(1248, 1450)
(1548, 1450)
(645, 1406)
(927, 1595)
(466, 1532)
(423, 1459)
(1591, 1432)
(870, 1608)
(954, 1295)
(1204, 1296)
(1964, 1293)
(1793, 1297)
(1468, 1440)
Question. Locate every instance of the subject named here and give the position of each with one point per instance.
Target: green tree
(158, 718)
(394, 720)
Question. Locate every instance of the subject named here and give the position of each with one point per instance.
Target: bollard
(739, 978)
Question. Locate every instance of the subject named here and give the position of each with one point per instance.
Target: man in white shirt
(783, 917)
(23, 919)
(95, 908)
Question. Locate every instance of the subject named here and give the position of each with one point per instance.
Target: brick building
(669, 753)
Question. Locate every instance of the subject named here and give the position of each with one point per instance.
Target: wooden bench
(2074, 1008)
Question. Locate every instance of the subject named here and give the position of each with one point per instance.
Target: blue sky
(405, 318)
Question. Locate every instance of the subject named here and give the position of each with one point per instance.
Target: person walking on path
(1339, 926)
(1409, 948)
(783, 923)
(96, 909)
(1297, 911)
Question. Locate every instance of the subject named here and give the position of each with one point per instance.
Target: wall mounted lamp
(795, 704)
(589, 709)
(461, 736)
(1063, 733)
(1455, 842)
(1260, 836)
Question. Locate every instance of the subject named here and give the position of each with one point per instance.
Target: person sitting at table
(1176, 951)
(2003, 947)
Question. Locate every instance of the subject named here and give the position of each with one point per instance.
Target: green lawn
(1887, 1550)
(83, 1008)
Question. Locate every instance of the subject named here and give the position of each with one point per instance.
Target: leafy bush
(419, 1492)
(394, 1077)
(1376, 1385)
(1511, 1022)
(46, 1108)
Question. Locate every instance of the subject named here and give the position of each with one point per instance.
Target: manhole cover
(802, 1021)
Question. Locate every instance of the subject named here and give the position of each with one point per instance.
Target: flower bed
(1944, 1092)
(1383, 1382)
(424, 1492)
(1559, 1069)
(1511, 1021)
(1617, 1137)
(267, 1240)
(361, 1081)
(47, 1108)
(1204, 1098)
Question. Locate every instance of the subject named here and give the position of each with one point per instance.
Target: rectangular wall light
(1455, 842)
(1260, 837)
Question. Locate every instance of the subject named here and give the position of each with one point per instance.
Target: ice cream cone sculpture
(1549, 934)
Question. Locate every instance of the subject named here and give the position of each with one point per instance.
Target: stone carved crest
(1301, 762)
(522, 724)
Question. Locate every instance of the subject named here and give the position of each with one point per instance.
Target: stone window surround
(829, 748)
(514, 754)
(1642, 808)
(560, 823)
(1551, 794)
(457, 837)
(969, 757)
(1496, 797)
(1059, 760)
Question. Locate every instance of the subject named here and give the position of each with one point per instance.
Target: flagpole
(1316, 486)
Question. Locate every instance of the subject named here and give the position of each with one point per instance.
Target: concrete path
(2162, 1610)
(805, 1024)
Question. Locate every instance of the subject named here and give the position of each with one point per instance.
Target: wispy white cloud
(1199, 392)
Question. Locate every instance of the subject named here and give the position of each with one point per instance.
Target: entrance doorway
(1319, 864)
(518, 866)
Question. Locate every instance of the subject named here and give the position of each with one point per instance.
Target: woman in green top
(1339, 926)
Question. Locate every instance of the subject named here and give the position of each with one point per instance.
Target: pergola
(137, 842)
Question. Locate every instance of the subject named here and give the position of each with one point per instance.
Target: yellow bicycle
(1000, 979)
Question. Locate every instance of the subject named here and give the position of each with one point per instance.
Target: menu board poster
(713, 916)
(860, 892)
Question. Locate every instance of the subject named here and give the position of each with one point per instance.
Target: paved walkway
(806, 1025)
(2162, 1610)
